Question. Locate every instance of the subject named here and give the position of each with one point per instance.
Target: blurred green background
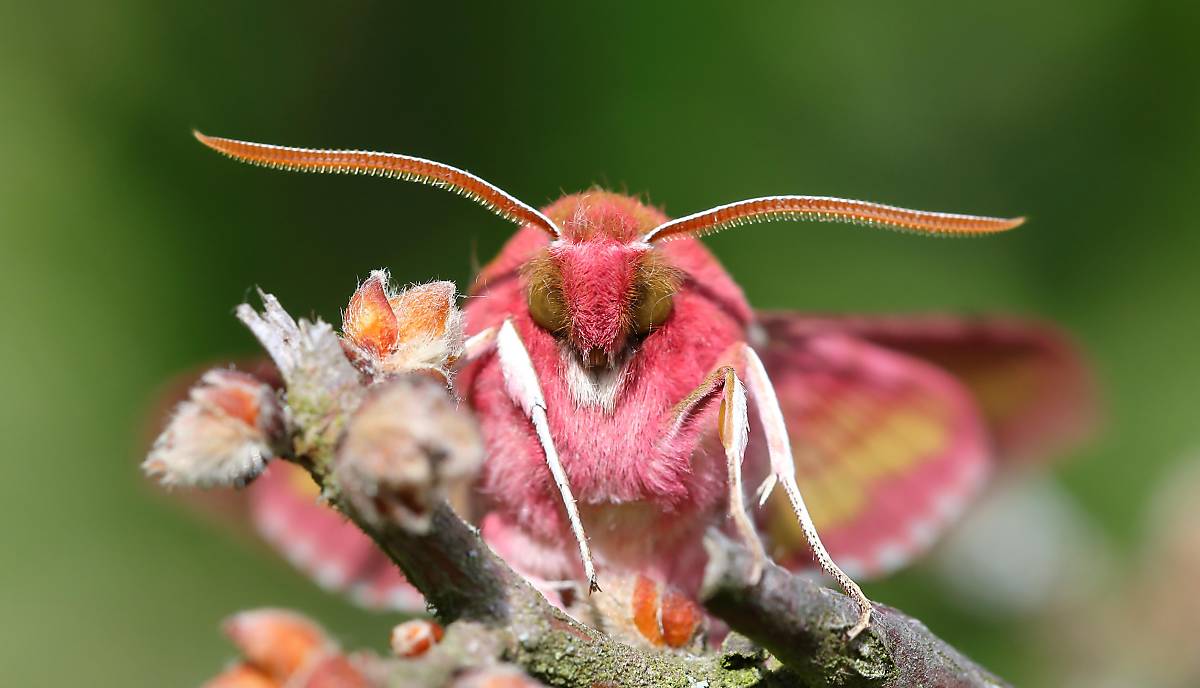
(125, 245)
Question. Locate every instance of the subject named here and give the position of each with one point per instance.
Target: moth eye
(652, 307)
(547, 307)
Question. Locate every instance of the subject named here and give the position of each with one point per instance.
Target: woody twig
(803, 624)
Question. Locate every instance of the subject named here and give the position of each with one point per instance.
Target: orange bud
(223, 434)
(423, 310)
(334, 671)
(242, 676)
(680, 618)
(418, 329)
(369, 320)
(670, 619)
(239, 395)
(414, 638)
(645, 609)
(279, 642)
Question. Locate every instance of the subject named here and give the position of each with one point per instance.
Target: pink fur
(597, 276)
(644, 500)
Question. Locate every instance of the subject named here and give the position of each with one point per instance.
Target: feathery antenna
(824, 209)
(392, 165)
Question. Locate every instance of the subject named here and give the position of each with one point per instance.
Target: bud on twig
(404, 449)
(242, 676)
(414, 638)
(334, 671)
(285, 649)
(223, 434)
(279, 642)
(419, 328)
(639, 610)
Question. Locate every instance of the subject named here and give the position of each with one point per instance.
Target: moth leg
(521, 383)
(783, 470)
(734, 431)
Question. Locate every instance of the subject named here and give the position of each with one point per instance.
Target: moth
(625, 387)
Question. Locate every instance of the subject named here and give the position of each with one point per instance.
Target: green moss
(562, 658)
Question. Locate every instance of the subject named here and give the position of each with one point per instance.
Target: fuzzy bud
(638, 609)
(680, 618)
(414, 638)
(223, 434)
(281, 643)
(333, 671)
(404, 449)
(242, 676)
(387, 333)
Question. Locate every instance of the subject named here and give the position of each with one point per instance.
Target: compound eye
(653, 306)
(547, 307)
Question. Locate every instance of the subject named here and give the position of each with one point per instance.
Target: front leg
(783, 470)
(521, 383)
(733, 429)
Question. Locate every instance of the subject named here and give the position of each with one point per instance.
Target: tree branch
(465, 581)
(804, 625)
(800, 622)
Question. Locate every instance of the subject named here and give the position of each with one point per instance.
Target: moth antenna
(392, 165)
(825, 209)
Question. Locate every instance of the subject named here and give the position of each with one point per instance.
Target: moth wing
(282, 506)
(1028, 378)
(888, 450)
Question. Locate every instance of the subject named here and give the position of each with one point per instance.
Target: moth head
(600, 296)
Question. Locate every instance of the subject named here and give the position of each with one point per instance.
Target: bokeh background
(125, 245)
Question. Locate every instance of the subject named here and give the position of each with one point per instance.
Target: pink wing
(324, 544)
(1028, 378)
(888, 449)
